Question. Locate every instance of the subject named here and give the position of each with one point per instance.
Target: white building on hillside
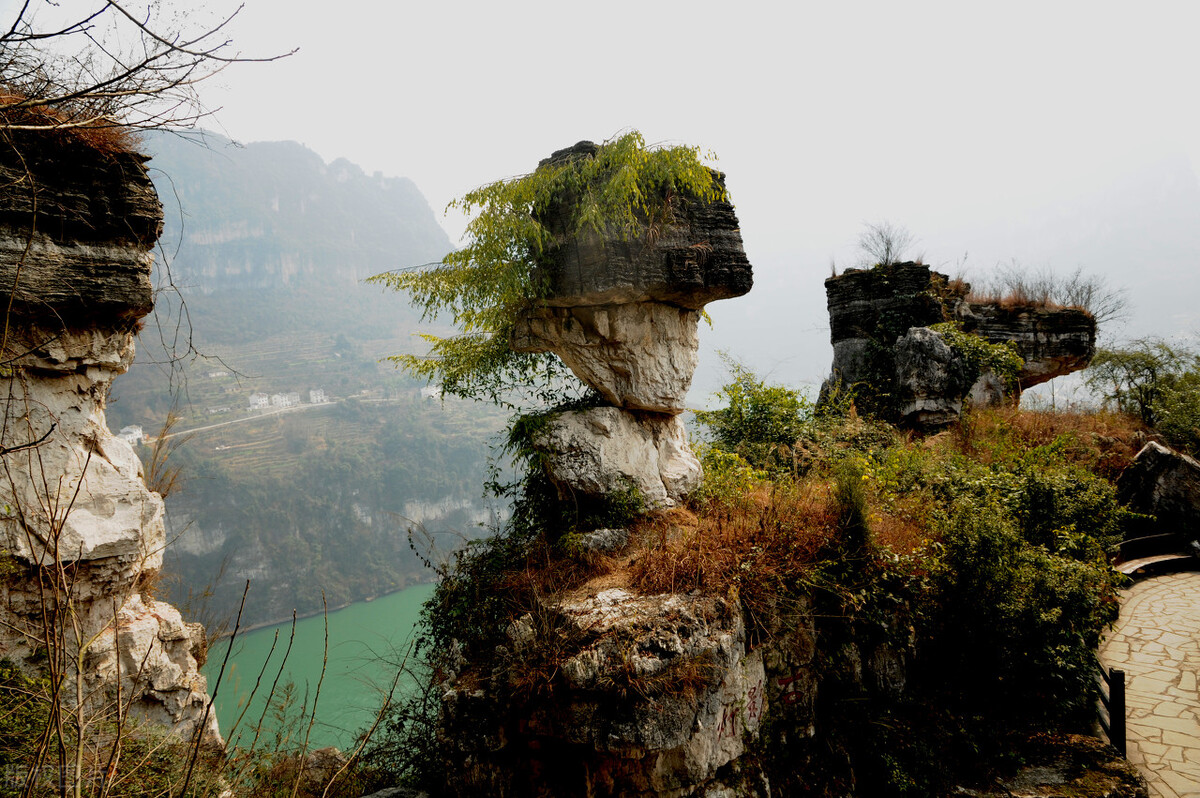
(132, 434)
(285, 399)
(317, 396)
(259, 401)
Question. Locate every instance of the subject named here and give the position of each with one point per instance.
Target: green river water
(366, 642)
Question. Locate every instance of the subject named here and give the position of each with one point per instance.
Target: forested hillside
(261, 303)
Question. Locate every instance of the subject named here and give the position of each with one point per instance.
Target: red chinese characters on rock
(732, 722)
(789, 693)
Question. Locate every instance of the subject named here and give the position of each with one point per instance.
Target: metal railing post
(1116, 709)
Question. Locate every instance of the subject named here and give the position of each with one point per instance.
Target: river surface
(367, 643)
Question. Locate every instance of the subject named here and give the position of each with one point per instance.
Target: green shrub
(1013, 628)
(728, 477)
(760, 422)
(1155, 381)
(982, 357)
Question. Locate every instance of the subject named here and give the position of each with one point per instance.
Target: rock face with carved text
(76, 239)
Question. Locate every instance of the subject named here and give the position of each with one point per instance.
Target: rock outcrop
(874, 318)
(604, 450)
(1165, 484)
(622, 311)
(1053, 342)
(659, 696)
(930, 378)
(82, 534)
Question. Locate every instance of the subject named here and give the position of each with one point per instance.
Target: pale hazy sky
(974, 125)
(823, 114)
(962, 121)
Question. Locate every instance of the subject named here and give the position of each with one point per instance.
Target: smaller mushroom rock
(873, 316)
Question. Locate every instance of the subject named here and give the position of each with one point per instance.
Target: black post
(1116, 709)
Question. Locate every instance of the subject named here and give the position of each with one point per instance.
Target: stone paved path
(1157, 643)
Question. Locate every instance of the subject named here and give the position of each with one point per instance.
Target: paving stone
(1157, 643)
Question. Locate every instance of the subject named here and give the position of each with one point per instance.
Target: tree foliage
(758, 420)
(1155, 381)
(626, 186)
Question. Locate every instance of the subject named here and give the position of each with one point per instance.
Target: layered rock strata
(82, 533)
(622, 311)
(658, 696)
(1053, 342)
(875, 316)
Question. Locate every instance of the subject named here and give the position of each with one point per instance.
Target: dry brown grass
(770, 539)
(1102, 441)
(1018, 298)
(96, 131)
(902, 531)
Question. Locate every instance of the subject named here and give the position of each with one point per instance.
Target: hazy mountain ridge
(267, 214)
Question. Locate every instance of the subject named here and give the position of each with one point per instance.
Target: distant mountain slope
(272, 214)
(311, 495)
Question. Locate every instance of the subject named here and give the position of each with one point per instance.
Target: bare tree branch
(112, 66)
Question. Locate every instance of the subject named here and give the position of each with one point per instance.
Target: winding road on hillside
(1157, 643)
(257, 416)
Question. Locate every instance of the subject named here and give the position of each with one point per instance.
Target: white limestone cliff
(81, 535)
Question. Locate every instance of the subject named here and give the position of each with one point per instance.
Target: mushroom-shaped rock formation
(622, 306)
(78, 514)
(875, 315)
(622, 311)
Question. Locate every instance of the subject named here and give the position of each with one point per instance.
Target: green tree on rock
(624, 186)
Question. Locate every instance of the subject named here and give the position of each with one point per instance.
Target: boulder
(1166, 484)
(658, 694)
(931, 379)
(602, 451)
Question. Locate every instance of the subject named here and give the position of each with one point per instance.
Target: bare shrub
(884, 244)
(1015, 286)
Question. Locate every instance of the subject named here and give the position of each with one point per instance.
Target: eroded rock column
(81, 534)
(623, 312)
